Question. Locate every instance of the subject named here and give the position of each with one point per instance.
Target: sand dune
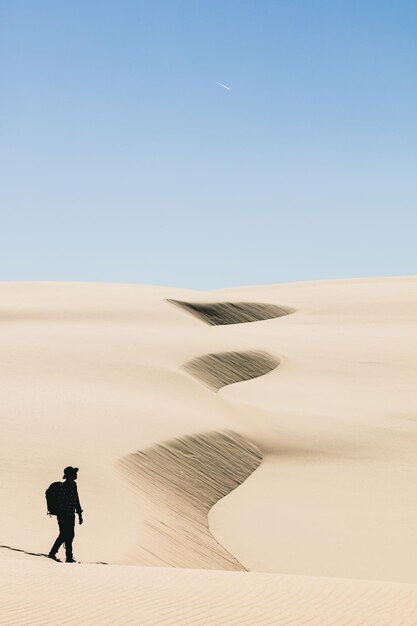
(108, 595)
(226, 368)
(102, 376)
(180, 481)
(224, 313)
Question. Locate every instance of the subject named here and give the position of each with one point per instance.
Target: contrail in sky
(224, 86)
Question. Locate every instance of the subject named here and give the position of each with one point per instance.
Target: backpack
(53, 494)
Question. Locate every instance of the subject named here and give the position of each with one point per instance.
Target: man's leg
(69, 536)
(59, 541)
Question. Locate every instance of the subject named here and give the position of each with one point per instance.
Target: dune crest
(224, 313)
(225, 368)
(180, 481)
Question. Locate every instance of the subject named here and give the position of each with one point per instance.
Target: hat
(70, 471)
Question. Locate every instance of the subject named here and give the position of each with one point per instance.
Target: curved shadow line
(42, 554)
(24, 551)
(220, 369)
(179, 482)
(226, 313)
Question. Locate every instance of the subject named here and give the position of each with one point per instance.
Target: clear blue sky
(123, 161)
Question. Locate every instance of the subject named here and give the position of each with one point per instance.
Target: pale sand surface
(119, 594)
(93, 375)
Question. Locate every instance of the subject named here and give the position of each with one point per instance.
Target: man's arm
(78, 505)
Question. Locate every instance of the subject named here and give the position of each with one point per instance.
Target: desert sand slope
(180, 481)
(299, 413)
(337, 423)
(93, 594)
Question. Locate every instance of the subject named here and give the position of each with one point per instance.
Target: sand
(263, 437)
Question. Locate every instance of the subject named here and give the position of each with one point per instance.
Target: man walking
(68, 503)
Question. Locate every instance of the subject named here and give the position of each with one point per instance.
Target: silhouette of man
(69, 504)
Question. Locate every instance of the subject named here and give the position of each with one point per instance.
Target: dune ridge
(224, 313)
(225, 368)
(180, 481)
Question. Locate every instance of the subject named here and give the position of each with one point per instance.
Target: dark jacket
(69, 501)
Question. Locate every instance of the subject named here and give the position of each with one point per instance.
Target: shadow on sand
(42, 554)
